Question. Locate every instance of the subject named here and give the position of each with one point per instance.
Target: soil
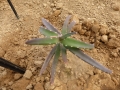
(97, 22)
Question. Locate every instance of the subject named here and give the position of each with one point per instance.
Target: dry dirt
(97, 21)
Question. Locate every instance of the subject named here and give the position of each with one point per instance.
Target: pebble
(115, 7)
(38, 79)
(44, 4)
(39, 86)
(103, 30)
(17, 76)
(57, 12)
(114, 42)
(2, 52)
(20, 84)
(112, 35)
(38, 63)
(21, 53)
(88, 23)
(30, 86)
(10, 83)
(75, 18)
(59, 5)
(95, 28)
(4, 88)
(114, 54)
(28, 74)
(104, 38)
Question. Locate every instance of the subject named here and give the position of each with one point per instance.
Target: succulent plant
(63, 42)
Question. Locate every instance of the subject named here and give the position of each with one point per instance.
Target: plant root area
(97, 22)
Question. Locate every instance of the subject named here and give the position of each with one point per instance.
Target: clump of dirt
(97, 22)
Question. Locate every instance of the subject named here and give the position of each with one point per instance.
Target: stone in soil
(28, 74)
(39, 86)
(20, 84)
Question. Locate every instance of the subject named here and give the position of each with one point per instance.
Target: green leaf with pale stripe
(88, 59)
(75, 43)
(54, 64)
(43, 41)
(49, 26)
(67, 35)
(65, 25)
(47, 32)
(45, 64)
(64, 53)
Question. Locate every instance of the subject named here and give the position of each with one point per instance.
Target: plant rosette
(63, 42)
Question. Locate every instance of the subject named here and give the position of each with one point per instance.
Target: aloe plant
(63, 42)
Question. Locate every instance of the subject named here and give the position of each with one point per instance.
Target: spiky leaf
(75, 43)
(88, 59)
(67, 35)
(52, 52)
(42, 41)
(64, 54)
(49, 26)
(54, 64)
(65, 25)
(47, 32)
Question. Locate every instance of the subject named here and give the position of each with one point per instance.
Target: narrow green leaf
(47, 32)
(43, 41)
(67, 35)
(54, 64)
(88, 59)
(65, 25)
(75, 43)
(64, 53)
(49, 26)
(45, 64)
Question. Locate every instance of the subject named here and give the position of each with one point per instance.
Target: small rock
(4, 88)
(88, 23)
(29, 87)
(38, 79)
(115, 7)
(114, 54)
(38, 63)
(114, 42)
(4, 73)
(59, 5)
(48, 86)
(61, 87)
(2, 52)
(21, 53)
(20, 84)
(104, 38)
(75, 19)
(87, 33)
(17, 76)
(52, 5)
(44, 4)
(33, 69)
(103, 30)
(10, 83)
(39, 86)
(77, 27)
(112, 35)
(28, 74)
(57, 12)
(95, 28)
